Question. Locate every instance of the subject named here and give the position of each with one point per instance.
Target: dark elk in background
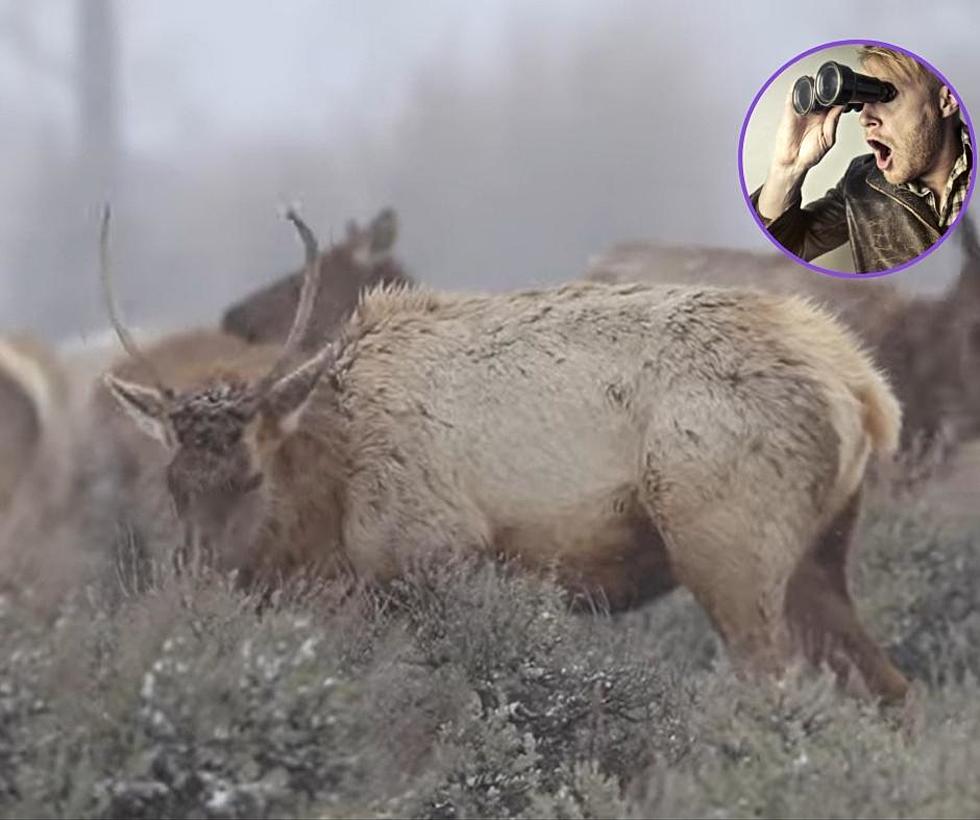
(363, 261)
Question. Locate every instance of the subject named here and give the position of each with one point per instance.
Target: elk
(628, 438)
(51, 535)
(930, 348)
(77, 493)
(33, 397)
(130, 463)
(363, 261)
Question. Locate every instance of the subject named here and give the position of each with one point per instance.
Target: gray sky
(514, 139)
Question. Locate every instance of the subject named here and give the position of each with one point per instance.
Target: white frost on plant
(220, 799)
(306, 651)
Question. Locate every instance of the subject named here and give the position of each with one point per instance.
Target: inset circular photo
(857, 158)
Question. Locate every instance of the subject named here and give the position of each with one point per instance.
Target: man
(892, 204)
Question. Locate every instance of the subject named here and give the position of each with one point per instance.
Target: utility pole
(97, 95)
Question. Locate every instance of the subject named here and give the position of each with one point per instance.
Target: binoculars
(836, 84)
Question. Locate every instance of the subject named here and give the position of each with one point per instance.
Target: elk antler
(304, 310)
(125, 338)
(311, 284)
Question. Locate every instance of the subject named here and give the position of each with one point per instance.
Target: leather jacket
(886, 225)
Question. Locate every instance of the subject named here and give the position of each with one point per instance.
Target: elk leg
(741, 588)
(823, 619)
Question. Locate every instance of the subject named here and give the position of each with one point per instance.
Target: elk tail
(882, 412)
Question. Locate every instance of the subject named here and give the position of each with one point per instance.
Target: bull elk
(630, 438)
(133, 462)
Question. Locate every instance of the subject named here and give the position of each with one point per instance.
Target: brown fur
(98, 448)
(821, 613)
(633, 437)
(190, 356)
(930, 348)
(361, 262)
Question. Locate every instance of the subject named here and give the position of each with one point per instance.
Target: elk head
(221, 433)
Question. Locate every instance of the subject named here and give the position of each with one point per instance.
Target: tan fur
(39, 474)
(33, 393)
(865, 412)
(633, 437)
(929, 348)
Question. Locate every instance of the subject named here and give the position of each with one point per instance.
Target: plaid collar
(956, 186)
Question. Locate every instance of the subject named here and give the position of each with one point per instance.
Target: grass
(470, 691)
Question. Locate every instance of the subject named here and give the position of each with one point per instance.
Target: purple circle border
(826, 271)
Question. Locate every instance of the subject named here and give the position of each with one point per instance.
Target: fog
(515, 140)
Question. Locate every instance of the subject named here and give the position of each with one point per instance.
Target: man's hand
(801, 142)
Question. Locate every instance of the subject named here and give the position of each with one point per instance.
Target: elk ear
(147, 406)
(288, 397)
(370, 246)
(383, 232)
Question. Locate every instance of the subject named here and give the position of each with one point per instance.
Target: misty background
(515, 140)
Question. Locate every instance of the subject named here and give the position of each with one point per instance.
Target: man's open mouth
(883, 154)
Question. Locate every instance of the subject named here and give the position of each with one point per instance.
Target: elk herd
(688, 417)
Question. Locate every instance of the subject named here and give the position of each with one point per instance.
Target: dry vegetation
(472, 692)
(466, 691)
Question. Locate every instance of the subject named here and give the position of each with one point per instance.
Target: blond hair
(903, 64)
